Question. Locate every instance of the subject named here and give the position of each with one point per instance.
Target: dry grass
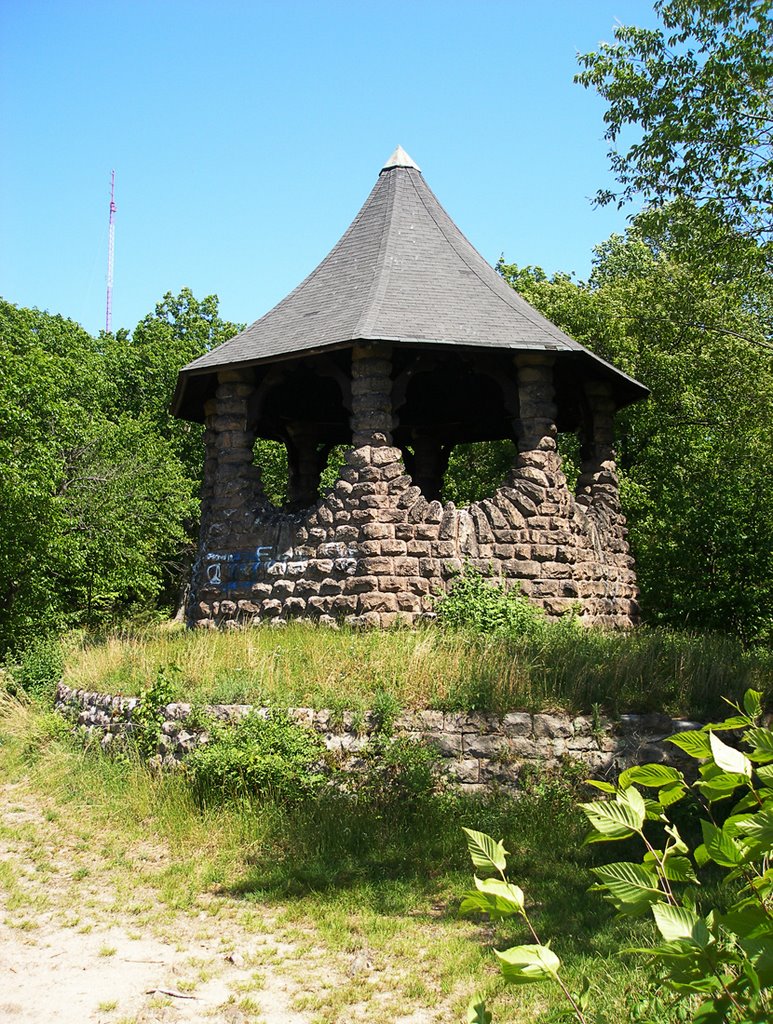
(427, 668)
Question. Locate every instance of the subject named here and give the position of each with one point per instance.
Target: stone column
(372, 416)
(235, 489)
(430, 462)
(598, 485)
(303, 459)
(536, 425)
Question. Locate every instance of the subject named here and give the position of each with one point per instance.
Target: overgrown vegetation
(258, 758)
(454, 669)
(359, 873)
(715, 954)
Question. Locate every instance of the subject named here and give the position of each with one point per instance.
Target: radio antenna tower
(110, 255)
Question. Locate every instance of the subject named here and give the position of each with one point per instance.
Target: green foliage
(97, 480)
(40, 667)
(257, 759)
(476, 469)
(698, 90)
(475, 603)
(386, 708)
(397, 773)
(500, 898)
(717, 958)
(149, 713)
(715, 955)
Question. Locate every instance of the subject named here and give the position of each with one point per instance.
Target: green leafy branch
(718, 962)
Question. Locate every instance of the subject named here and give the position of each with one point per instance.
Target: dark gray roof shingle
(402, 272)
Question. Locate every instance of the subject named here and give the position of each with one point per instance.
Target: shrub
(398, 772)
(40, 667)
(482, 606)
(148, 715)
(256, 759)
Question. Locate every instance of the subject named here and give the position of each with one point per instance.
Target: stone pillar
(372, 416)
(235, 487)
(536, 425)
(598, 485)
(303, 460)
(430, 462)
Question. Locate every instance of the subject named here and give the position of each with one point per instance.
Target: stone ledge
(477, 748)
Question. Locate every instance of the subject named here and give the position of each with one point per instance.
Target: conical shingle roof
(403, 272)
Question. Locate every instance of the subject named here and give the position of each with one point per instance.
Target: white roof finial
(400, 159)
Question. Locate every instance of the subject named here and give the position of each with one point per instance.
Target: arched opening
(455, 411)
(299, 416)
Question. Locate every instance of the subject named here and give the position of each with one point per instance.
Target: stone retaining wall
(478, 749)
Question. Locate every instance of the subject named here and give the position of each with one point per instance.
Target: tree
(698, 92)
(144, 366)
(92, 498)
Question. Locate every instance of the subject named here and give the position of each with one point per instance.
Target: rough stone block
(378, 566)
(358, 457)
(419, 547)
(360, 584)
(409, 497)
(427, 531)
(407, 602)
(390, 548)
(446, 744)
(383, 456)
(406, 567)
(418, 585)
(399, 484)
(377, 531)
(418, 510)
(377, 602)
(517, 723)
(466, 770)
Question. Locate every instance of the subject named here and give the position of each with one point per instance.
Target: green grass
(555, 668)
(341, 880)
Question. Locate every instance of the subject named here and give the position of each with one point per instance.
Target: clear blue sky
(245, 137)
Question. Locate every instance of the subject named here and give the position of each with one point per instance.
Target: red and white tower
(110, 255)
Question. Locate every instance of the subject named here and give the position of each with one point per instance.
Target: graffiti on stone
(230, 570)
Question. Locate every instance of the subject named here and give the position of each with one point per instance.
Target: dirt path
(80, 943)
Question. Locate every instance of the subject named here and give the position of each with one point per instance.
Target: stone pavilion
(402, 343)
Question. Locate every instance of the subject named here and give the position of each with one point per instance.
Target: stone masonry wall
(374, 550)
(478, 750)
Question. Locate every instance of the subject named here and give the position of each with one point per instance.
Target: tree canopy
(98, 484)
(690, 113)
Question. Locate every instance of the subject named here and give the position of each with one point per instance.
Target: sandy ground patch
(68, 955)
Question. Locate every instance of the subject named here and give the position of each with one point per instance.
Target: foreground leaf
(616, 819)
(728, 758)
(651, 775)
(477, 1012)
(494, 897)
(485, 851)
(693, 742)
(506, 891)
(523, 965)
(630, 888)
(679, 924)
